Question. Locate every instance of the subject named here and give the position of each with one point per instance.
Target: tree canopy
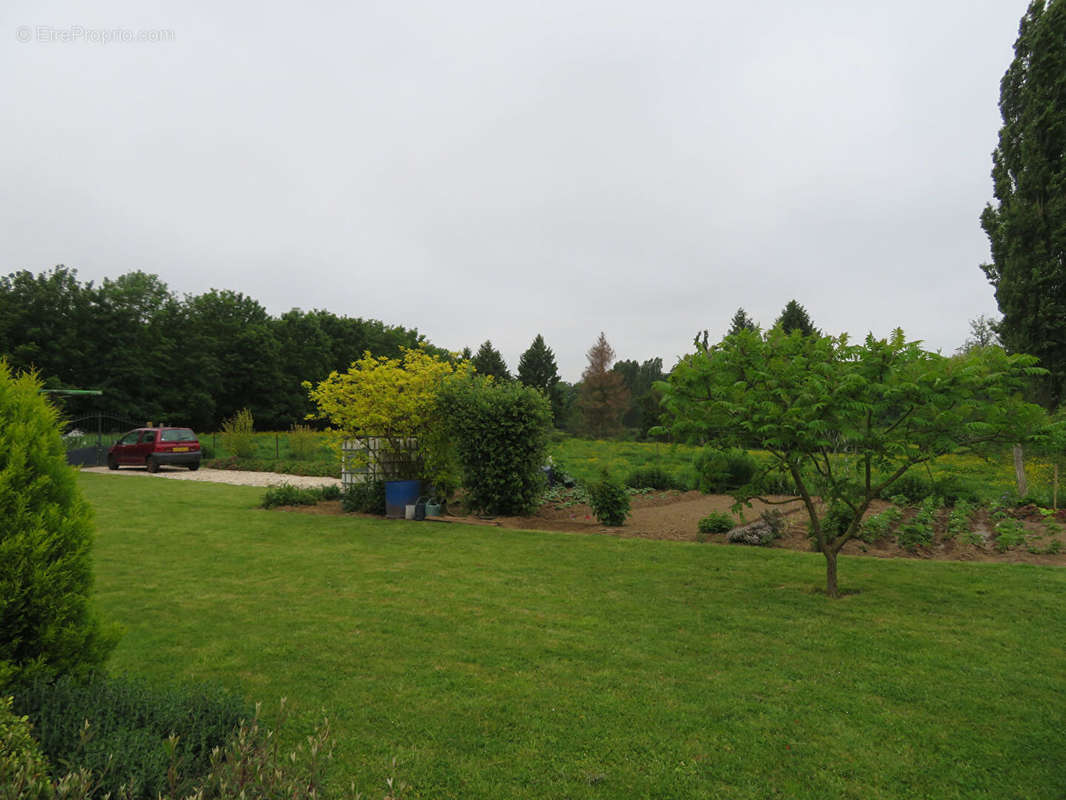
(193, 360)
(1026, 227)
(844, 422)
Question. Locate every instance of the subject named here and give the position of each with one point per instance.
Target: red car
(156, 447)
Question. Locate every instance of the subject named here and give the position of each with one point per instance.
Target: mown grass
(496, 663)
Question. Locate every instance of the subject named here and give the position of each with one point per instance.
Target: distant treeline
(192, 360)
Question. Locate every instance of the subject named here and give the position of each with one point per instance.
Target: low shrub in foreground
(118, 728)
(717, 522)
(365, 498)
(609, 501)
(249, 765)
(288, 495)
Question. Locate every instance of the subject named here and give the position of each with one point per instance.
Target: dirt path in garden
(675, 516)
(230, 476)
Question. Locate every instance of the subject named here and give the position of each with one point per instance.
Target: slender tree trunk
(830, 573)
(1019, 471)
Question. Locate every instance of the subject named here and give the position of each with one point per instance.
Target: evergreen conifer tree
(604, 396)
(46, 619)
(794, 318)
(488, 361)
(1027, 226)
(740, 322)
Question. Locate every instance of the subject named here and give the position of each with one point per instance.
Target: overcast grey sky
(496, 170)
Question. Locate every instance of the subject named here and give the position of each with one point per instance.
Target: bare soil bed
(676, 515)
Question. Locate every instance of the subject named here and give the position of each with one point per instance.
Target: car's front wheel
(111, 463)
(152, 464)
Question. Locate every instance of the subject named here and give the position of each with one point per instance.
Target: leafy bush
(46, 532)
(717, 522)
(23, 768)
(238, 434)
(652, 478)
(248, 766)
(609, 501)
(918, 531)
(129, 724)
(953, 490)
(1010, 533)
(303, 442)
(500, 434)
(720, 471)
(365, 498)
(877, 526)
(288, 495)
(912, 486)
(960, 519)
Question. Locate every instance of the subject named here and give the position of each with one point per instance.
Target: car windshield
(178, 435)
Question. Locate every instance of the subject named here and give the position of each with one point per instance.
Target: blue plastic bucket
(399, 494)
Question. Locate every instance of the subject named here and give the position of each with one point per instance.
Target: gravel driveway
(231, 476)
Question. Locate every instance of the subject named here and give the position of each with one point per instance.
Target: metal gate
(88, 438)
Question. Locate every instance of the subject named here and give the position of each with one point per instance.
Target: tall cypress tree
(1027, 226)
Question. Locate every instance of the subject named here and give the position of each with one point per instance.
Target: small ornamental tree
(500, 431)
(843, 421)
(604, 396)
(46, 619)
(390, 398)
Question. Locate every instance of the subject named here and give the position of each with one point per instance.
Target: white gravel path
(231, 476)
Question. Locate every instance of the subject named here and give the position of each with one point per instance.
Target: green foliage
(653, 478)
(794, 318)
(319, 469)
(211, 354)
(877, 526)
(740, 322)
(609, 502)
(846, 421)
(365, 498)
(1027, 226)
(288, 495)
(918, 530)
(500, 432)
(23, 767)
(960, 520)
(603, 397)
(237, 434)
(489, 362)
(537, 369)
(46, 620)
(1010, 533)
(721, 471)
(303, 442)
(717, 522)
(129, 722)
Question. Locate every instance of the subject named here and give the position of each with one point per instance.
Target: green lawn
(494, 663)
